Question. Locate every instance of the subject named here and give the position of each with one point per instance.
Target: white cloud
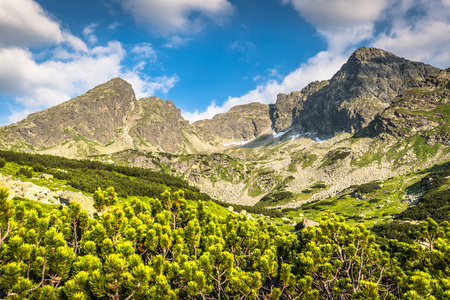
(88, 32)
(330, 15)
(113, 26)
(145, 50)
(425, 37)
(177, 41)
(321, 66)
(343, 23)
(170, 17)
(24, 23)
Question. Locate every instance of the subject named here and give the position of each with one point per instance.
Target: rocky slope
(95, 115)
(159, 123)
(287, 108)
(423, 110)
(365, 85)
(240, 123)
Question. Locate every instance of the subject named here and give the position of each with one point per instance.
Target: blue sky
(204, 55)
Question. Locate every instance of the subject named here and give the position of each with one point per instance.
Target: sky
(206, 56)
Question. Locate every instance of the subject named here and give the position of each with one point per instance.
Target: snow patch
(319, 140)
(279, 134)
(296, 136)
(236, 143)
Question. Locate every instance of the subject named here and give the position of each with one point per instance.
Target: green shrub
(307, 191)
(38, 168)
(374, 200)
(2, 162)
(319, 186)
(25, 171)
(366, 188)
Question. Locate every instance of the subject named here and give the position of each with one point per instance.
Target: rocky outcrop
(240, 123)
(422, 110)
(159, 123)
(288, 107)
(365, 85)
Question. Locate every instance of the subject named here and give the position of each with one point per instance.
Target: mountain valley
(379, 117)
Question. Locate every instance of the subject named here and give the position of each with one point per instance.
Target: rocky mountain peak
(364, 86)
(369, 54)
(96, 115)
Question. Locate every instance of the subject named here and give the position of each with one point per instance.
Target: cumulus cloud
(169, 17)
(343, 23)
(24, 23)
(426, 37)
(321, 66)
(72, 67)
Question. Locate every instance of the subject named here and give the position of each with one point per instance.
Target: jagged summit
(364, 86)
(108, 117)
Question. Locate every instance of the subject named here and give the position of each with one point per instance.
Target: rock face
(96, 115)
(240, 123)
(288, 107)
(364, 86)
(422, 109)
(159, 123)
(108, 118)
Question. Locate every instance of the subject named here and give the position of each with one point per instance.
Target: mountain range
(379, 116)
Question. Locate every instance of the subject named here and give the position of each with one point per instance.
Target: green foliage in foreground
(165, 249)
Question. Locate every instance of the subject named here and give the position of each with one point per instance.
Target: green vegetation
(87, 175)
(25, 171)
(435, 203)
(370, 187)
(399, 153)
(306, 159)
(334, 156)
(166, 249)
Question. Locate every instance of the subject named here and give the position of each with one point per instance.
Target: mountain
(364, 86)
(287, 108)
(95, 116)
(379, 116)
(240, 123)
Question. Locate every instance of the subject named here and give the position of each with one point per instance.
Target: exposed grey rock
(240, 123)
(95, 115)
(159, 123)
(417, 111)
(288, 107)
(365, 85)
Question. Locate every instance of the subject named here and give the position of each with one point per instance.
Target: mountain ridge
(334, 133)
(109, 118)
